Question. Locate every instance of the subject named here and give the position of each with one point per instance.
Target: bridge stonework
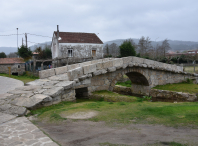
(79, 80)
(143, 79)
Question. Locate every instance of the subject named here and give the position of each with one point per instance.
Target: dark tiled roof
(11, 60)
(77, 37)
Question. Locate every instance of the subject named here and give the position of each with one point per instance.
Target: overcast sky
(112, 19)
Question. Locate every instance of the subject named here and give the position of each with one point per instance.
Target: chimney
(57, 31)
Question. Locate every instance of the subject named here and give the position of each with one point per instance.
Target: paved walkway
(18, 131)
(7, 84)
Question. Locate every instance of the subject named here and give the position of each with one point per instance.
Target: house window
(18, 66)
(70, 53)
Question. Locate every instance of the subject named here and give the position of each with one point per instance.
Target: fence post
(9, 70)
(42, 66)
(194, 67)
(34, 65)
(30, 66)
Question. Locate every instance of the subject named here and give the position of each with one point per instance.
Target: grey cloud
(112, 19)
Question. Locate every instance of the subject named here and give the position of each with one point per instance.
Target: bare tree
(144, 46)
(141, 45)
(106, 49)
(165, 47)
(12, 55)
(151, 53)
(159, 51)
(114, 49)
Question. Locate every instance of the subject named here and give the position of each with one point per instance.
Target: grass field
(113, 113)
(180, 87)
(23, 78)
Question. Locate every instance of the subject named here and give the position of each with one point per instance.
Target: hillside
(174, 44)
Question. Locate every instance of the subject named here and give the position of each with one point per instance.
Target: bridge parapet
(109, 64)
(118, 63)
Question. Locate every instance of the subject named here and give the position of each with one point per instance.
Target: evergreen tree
(2, 55)
(127, 49)
(24, 52)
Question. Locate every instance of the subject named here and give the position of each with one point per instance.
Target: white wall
(54, 47)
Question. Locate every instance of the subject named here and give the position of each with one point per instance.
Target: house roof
(192, 50)
(35, 53)
(11, 60)
(78, 37)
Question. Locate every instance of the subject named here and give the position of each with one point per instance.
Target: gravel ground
(87, 133)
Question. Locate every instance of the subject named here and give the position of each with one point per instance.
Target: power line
(34, 42)
(12, 34)
(27, 33)
(39, 35)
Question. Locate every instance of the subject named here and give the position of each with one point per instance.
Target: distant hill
(174, 44)
(7, 50)
(42, 45)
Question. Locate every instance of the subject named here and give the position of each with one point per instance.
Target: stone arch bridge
(68, 82)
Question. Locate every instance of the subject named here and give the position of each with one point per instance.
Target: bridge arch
(137, 77)
(141, 82)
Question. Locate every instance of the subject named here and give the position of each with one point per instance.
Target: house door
(93, 53)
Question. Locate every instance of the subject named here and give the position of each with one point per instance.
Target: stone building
(17, 65)
(76, 45)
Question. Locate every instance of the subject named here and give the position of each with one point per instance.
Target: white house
(76, 45)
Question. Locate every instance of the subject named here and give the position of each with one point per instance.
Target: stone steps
(38, 93)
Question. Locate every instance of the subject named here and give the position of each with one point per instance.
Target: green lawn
(126, 84)
(113, 113)
(23, 78)
(180, 87)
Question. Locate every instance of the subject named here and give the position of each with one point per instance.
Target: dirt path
(86, 133)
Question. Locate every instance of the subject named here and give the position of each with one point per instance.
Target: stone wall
(160, 95)
(172, 95)
(15, 68)
(80, 50)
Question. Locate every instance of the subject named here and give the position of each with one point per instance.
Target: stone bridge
(79, 80)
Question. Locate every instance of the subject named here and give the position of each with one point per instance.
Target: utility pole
(26, 39)
(17, 41)
(17, 38)
(22, 41)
